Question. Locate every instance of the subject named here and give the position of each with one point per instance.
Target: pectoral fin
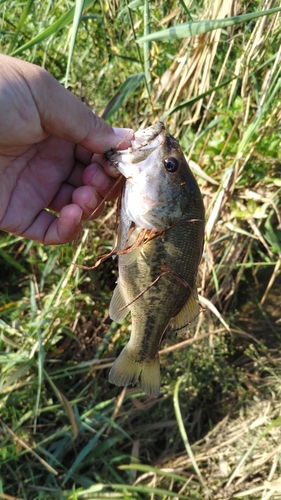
(129, 258)
(118, 302)
(188, 313)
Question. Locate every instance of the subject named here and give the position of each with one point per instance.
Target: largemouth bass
(160, 242)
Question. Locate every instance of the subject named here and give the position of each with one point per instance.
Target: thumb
(64, 115)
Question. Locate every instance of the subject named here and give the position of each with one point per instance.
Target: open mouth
(146, 141)
(148, 136)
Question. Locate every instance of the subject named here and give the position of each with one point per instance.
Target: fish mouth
(148, 137)
(146, 141)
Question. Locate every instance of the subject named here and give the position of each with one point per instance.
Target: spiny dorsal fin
(188, 313)
(118, 302)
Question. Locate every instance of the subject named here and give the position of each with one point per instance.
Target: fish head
(160, 187)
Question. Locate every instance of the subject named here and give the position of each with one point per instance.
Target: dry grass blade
(220, 200)
(29, 449)
(194, 63)
(250, 450)
(198, 171)
(9, 497)
(188, 342)
(214, 310)
(271, 281)
(66, 405)
(118, 406)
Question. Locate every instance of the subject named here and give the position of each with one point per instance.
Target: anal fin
(188, 313)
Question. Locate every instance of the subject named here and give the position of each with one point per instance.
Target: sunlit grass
(215, 430)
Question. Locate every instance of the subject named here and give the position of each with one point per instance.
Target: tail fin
(126, 371)
(150, 377)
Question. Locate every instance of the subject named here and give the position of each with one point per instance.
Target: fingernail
(99, 179)
(124, 133)
(78, 219)
(93, 203)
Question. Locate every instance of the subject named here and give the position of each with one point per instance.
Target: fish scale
(157, 280)
(167, 297)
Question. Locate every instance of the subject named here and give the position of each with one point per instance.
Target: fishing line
(166, 270)
(96, 209)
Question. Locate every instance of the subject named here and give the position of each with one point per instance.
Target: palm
(45, 175)
(36, 180)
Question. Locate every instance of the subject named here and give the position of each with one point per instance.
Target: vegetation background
(215, 431)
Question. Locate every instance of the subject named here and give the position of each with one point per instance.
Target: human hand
(51, 155)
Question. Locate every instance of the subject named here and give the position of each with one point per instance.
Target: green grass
(65, 432)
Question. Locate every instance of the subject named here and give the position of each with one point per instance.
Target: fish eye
(171, 164)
